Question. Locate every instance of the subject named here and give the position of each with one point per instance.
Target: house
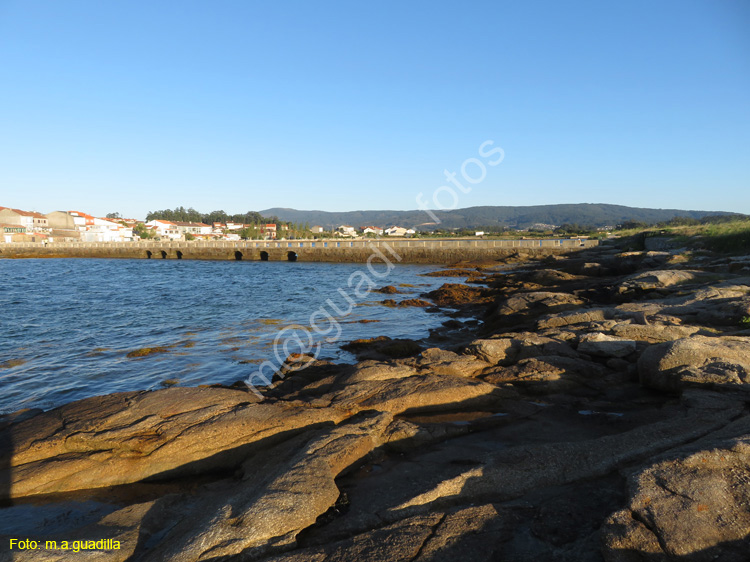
(268, 231)
(69, 220)
(164, 229)
(194, 228)
(317, 229)
(234, 225)
(346, 230)
(76, 225)
(396, 231)
(479, 233)
(372, 230)
(8, 231)
(32, 221)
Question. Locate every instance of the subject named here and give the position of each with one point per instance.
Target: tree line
(181, 214)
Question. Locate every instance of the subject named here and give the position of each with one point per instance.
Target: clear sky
(243, 105)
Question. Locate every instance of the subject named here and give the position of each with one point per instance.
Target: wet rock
(388, 290)
(453, 294)
(549, 277)
(382, 347)
(698, 360)
(452, 273)
(414, 302)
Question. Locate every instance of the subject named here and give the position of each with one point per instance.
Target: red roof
(27, 213)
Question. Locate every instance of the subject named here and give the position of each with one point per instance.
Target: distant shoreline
(423, 251)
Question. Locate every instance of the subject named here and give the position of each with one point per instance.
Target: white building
(396, 231)
(372, 230)
(346, 230)
(194, 228)
(87, 228)
(31, 221)
(165, 229)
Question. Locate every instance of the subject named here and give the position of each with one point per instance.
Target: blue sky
(240, 105)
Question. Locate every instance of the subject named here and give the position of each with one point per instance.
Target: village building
(395, 231)
(30, 220)
(70, 226)
(12, 232)
(268, 231)
(346, 230)
(164, 229)
(194, 228)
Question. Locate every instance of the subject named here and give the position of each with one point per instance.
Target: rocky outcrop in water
(600, 412)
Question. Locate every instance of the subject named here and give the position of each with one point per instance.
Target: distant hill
(591, 214)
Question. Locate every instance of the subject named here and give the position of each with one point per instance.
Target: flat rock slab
(694, 505)
(129, 437)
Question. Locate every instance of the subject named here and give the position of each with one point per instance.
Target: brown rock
(693, 505)
(453, 294)
(128, 437)
(698, 360)
(603, 345)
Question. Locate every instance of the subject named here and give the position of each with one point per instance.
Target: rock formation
(599, 412)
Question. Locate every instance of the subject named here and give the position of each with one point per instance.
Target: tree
(141, 230)
(249, 233)
(114, 216)
(189, 236)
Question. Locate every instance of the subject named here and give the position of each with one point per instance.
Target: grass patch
(729, 237)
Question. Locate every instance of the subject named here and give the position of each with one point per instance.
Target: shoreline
(420, 251)
(594, 381)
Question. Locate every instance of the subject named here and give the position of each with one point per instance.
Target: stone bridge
(432, 250)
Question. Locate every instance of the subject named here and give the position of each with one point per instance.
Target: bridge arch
(264, 256)
(291, 256)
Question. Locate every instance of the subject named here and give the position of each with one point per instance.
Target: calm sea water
(67, 325)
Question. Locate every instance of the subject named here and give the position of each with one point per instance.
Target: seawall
(438, 251)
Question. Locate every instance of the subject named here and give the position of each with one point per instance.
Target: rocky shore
(583, 408)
